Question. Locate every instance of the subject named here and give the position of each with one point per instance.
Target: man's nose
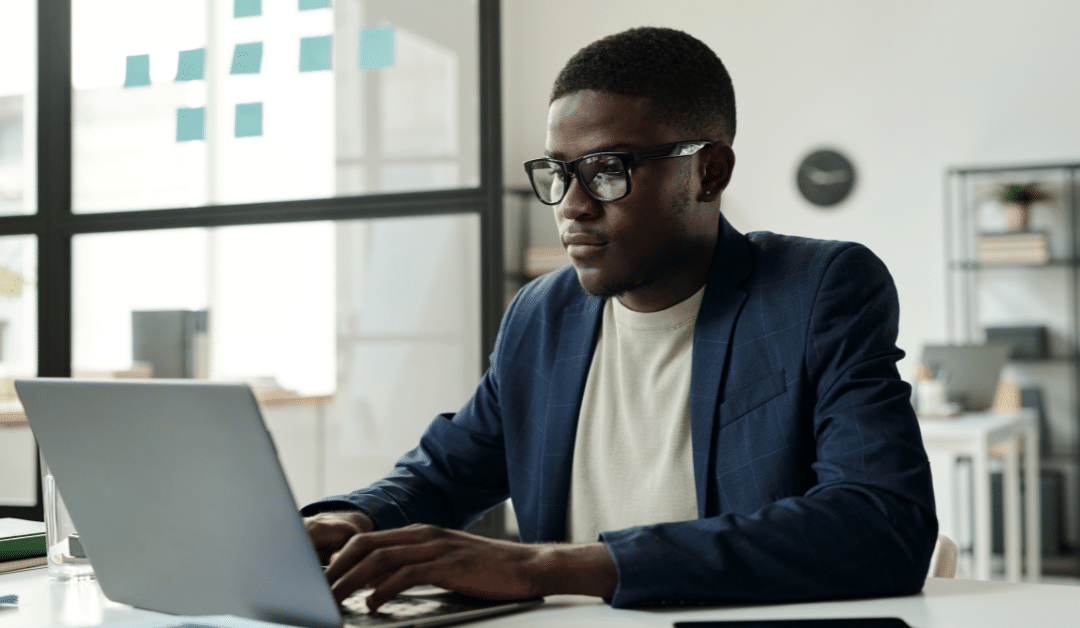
(576, 204)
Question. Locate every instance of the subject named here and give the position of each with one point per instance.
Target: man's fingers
(377, 564)
(359, 546)
(329, 532)
(391, 584)
(352, 552)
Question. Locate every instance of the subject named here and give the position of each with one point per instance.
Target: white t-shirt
(633, 459)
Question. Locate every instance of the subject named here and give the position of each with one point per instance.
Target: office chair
(943, 560)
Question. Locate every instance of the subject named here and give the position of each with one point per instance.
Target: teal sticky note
(315, 53)
(376, 47)
(138, 71)
(190, 124)
(247, 58)
(191, 64)
(248, 119)
(307, 5)
(247, 8)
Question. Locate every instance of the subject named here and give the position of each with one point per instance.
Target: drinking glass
(67, 560)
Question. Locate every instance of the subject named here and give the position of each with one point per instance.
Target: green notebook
(20, 538)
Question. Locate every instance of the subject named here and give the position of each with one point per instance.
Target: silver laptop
(182, 506)
(970, 372)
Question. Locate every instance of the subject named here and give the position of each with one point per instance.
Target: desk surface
(990, 423)
(942, 604)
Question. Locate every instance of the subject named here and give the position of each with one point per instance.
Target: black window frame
(55, 225)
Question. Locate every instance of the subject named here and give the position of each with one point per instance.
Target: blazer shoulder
(777, 253)
(551, 293)
(546, 301)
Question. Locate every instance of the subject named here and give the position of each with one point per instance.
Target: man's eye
(606, 165)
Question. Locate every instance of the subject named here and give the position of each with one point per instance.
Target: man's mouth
(581, 245)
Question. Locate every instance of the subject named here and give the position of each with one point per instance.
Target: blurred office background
(356, 328)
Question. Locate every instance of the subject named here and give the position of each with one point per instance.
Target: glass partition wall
(301, 195)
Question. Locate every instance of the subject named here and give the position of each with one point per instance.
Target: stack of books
(22, 544)
(1019, 247)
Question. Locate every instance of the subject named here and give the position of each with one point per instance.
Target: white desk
(972, 435)
(942, 604)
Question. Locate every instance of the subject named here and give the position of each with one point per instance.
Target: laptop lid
(970, 372)
(179, 498)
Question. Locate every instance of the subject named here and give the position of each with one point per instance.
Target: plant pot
(1017, 215)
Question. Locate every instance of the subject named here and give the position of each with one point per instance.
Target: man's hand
(331, 530)
(392, 561)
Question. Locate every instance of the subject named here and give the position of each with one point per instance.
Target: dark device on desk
(970, 372)
(1028, 343)
(183, 508)
(844, 622)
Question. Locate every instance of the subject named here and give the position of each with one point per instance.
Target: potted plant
(1018, 199)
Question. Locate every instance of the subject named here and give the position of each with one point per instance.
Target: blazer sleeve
(865, 528)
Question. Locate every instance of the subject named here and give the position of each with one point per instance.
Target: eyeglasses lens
(547, 180)
(605, 177)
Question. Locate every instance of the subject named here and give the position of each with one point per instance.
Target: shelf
(978, 291)
(1054, 263)
(1057, 359)
(991, 169)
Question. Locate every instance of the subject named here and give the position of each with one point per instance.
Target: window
(311, 189)
(186, 105)
(18, 97)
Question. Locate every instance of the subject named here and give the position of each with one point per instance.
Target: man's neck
(676, 288)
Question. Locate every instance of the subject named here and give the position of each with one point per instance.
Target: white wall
(906, 88)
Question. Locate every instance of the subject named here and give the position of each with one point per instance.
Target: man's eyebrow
(602, 149)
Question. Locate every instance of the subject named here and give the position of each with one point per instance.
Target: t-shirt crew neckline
(682, 313)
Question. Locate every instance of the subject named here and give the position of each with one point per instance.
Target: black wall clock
(825, 177)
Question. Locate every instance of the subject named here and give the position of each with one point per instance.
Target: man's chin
(596, 286)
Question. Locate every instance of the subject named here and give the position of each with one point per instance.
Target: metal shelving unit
(980, 294)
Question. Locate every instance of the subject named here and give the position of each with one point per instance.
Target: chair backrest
(943, 560)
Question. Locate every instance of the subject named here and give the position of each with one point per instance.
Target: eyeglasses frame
(570, 169)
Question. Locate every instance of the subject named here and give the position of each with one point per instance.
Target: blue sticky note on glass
(247, 58)
(377, 47)
(307, 5)
(138, 71)
(247, 8)
(315, 53)
(190, 124)
(191, 64)
(248, 119)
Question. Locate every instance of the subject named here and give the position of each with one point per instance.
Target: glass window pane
(354, 334)
(18, 107)
(18, 358)
(193, 104)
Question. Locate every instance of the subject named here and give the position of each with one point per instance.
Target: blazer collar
(577, 340)
(720, 308)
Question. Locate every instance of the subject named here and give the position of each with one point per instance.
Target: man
(703, 415)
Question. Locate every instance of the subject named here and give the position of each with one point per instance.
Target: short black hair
(686, 81)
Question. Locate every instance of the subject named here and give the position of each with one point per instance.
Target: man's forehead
(589, 121)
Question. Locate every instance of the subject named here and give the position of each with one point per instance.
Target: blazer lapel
(712, 340)
(577, 340)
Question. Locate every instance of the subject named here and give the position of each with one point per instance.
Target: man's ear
(717, 163)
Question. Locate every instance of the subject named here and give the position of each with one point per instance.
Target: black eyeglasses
(604, 176)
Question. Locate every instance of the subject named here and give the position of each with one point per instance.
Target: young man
(685, 413)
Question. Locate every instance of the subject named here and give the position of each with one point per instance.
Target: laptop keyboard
(355, 610)
(425, 606)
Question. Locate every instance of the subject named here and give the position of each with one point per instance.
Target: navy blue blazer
(811, 477)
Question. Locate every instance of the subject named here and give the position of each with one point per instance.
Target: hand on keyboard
(391, 561)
